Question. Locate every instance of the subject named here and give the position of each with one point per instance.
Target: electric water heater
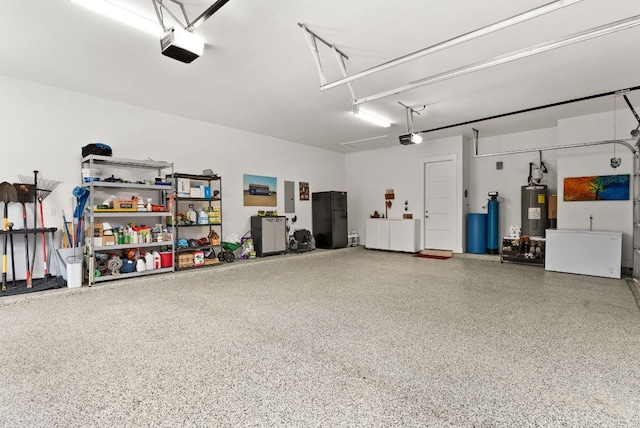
(534, 210)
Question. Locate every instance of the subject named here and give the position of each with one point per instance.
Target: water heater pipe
(635, 149)
(626, 143)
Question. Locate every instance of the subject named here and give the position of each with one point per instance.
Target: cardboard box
(123, 205)
(108, 240)
(195, 192)
(553, 206)
(185, 259)
(98, 231)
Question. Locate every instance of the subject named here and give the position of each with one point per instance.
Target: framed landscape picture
(259, 191)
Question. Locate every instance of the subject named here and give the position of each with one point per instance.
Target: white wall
(43, 128)
(577, 162)
(589, 161)
(508, 181)
(370, 173)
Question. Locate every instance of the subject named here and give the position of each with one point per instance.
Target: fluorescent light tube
(123, 15)
(371, 118)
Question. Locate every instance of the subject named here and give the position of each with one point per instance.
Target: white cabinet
(584, 252)
(377, 234)
(393, 234)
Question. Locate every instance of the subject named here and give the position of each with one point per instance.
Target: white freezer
(584, 252)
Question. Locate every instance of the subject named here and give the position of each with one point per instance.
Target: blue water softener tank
(492, 224)
(476, 233)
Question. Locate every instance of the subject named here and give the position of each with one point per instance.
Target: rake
(43, 188)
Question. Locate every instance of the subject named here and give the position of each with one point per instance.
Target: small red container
(166, 259)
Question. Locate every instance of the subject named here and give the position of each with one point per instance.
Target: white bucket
(74, 271)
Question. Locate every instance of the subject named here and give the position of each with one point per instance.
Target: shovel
(7, 194)
(25, 193)
(13, 259)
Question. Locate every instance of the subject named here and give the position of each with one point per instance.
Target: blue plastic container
(476, 233)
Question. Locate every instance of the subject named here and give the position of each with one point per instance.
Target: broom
(44, 187)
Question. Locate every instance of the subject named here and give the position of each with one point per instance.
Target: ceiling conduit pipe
(530, 109)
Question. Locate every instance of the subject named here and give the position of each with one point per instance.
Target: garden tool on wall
(7, 194)
(26, 194)
(81, 195)
(66, 229)
(43, 188)
(13, 259)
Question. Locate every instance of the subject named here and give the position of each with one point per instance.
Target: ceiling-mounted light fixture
(125, 16)
(370, 118)
(410, 137)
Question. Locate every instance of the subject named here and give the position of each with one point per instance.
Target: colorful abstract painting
(597, 188)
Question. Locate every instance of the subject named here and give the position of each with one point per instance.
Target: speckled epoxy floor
(337, 338)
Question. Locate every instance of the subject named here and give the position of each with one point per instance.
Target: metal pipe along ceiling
(530, 109)
(512, 56)
(550, 7)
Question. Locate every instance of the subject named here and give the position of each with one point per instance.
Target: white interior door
(440, 203)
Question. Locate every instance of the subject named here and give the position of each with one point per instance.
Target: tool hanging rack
(33, 189)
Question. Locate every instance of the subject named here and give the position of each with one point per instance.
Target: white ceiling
(258, 74)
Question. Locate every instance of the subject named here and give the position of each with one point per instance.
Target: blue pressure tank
(492, 224)
(476, 233)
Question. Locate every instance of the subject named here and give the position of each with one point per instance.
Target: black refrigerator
(329, 218)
